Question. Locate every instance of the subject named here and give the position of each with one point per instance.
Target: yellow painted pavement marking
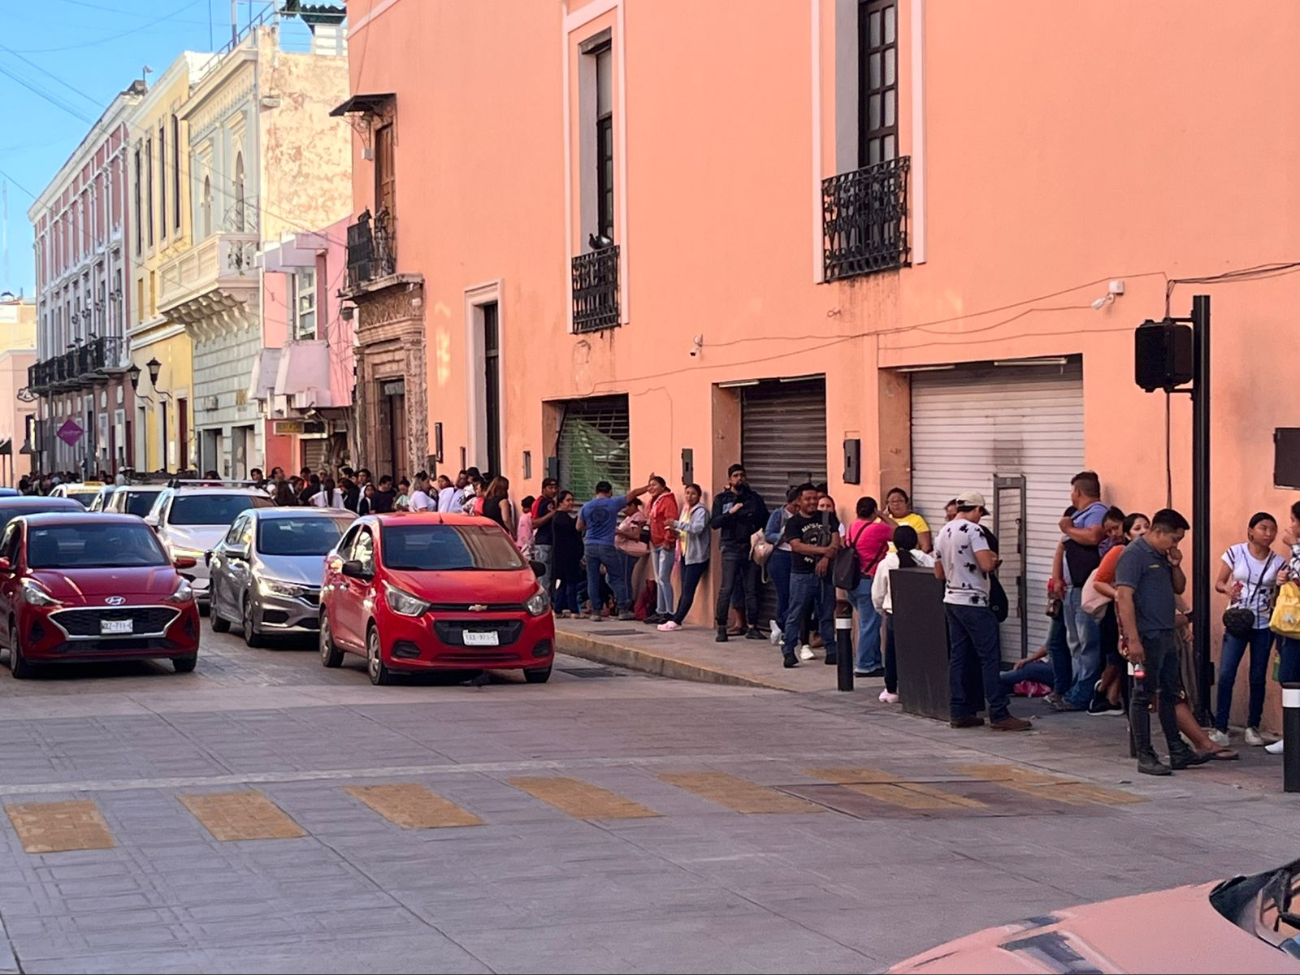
(1040, 785)
(579, 799)
(841, 776)
(54, 827)
(739, 794)
(412, 806)
(241, 816)
(884, 787)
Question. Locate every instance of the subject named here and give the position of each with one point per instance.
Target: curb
(607, 651)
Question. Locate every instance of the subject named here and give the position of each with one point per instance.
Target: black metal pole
(844, 645)
(1291, 733)
(1201, 502)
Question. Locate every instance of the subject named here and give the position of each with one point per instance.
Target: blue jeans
(1039, 671)
(615, 562)
(1260, 642)
(973, 641)
(1058, 651)
(542, 554)
(664, 558)
(566, 596)
(1084, 634)
(778, 567)
(691, 575)
(868, 626)
(1289, 670)
(808, 589)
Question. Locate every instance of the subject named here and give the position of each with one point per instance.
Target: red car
(428, 592)
(92, 586)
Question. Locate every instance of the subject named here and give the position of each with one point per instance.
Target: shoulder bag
(1090, 600)
(1286, 613)
(1239, 620)
(846, 573)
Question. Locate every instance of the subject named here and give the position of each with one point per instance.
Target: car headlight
(35, 595)
(272, 587)
(538, 603)
(403, 603)
(184, 593)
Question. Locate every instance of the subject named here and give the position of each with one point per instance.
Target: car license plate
(116, 626)
(474, 638)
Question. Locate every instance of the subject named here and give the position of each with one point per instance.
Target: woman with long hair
(497, 506)
(566, 556)
(898, 511)
(284, 496)
(907, 554)
(330, 496)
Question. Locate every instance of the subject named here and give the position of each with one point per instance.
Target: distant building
(17, 413)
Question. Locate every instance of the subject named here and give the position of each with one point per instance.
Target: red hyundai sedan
(430, 591)
(80, 587)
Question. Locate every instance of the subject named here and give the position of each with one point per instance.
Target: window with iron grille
(594, 444)
(878, 81)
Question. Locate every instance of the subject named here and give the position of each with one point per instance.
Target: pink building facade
(877, 243)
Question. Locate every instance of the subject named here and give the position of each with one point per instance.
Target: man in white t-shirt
(964, 561)
(447, 496)
(420, 500)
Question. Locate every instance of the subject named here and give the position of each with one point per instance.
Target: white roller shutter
(970, 425)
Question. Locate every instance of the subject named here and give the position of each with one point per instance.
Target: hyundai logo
(477, 607)
(115, 600)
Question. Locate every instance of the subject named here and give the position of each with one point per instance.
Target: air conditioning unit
(210, 403)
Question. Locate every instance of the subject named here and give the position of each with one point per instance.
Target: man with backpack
(814, 538)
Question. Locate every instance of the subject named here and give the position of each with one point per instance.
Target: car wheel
(252, 636)
(538, 676)
(18, 665)
(375, 666)
(185, 665)
(330, 654)
(219, 623)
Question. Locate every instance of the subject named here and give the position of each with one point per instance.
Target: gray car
(266, 571)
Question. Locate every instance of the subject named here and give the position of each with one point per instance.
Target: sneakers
(888, 698)
(654, 619)
(1061, 704)
(722, 635)
(667, 626)
(755, 633)
(1011, 723)
(1100, 705)
(1253, 737)
(776, 634)
(873, 672)
(1220, 738)
(1149, 764)
(970, 721)
(788, 660)
(627, 614)
(1275, 748)
(806, 652)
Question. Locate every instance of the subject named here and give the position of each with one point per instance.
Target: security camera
(694, 351)
(697, 345)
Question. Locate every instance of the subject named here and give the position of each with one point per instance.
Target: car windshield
(140, 502)
(8, 514)
(86, 545)
(440, 548)
(85, 497)
(214, 509)
(299, 536)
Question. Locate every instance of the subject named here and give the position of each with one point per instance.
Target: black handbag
(1238, 620)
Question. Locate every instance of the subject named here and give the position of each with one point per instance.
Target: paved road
(266, 814)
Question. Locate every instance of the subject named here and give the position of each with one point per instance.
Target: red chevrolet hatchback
(429, 591)
(92, 586)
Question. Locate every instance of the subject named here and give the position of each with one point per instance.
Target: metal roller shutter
(315, 453)
(972, 425)
(594, 445)
(782, 443)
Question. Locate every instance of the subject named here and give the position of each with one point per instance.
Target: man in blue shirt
(1083, 531)
(599, 518)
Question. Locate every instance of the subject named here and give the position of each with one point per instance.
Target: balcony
(372, 250)
(595, 290)
(864, 220)
(83, 366)
(214, 278)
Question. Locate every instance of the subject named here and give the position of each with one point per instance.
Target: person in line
(907, 554)
(599, 519)
(543, 534)
(472, 491)
(965, 563)
(567, 556)
(496, 504)
(814, 540)
(1248, 576)
(420, 500)
(1110, 697)
(255, 475)
(898, 511)
(351, 493)
(284, 496)
(524, 531)
(663, 542)
(1148, 579)
(447, 495)
(385, 498)
(1081, 553)
(311, 488)
(738, 512)
(1288, 648)
(364, 506)
(778, 564)
(869, 536)
(329, 495)
(693, 528)
(630, 538)
(403, 500)
(950, 511)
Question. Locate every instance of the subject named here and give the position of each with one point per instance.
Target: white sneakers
(806, 652)
(775, 636)
(1275, 748)
(667, 626)
(888, 698)
(1253, 737)
(1220, 738)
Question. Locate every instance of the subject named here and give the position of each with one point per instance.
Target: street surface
(267, 814)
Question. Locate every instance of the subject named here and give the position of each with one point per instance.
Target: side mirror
(207, 557)
(185, 561)
(6, 565)
(539, 568)
(353, 569)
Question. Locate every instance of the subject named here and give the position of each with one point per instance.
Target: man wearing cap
(963, 562)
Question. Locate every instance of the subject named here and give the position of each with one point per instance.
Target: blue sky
(82, 53)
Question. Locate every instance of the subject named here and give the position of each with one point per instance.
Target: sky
(80, 53)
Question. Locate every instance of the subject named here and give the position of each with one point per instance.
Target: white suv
(190, 520)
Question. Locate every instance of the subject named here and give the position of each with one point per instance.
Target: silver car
(266, 571)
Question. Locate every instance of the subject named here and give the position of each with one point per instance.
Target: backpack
(847, 570)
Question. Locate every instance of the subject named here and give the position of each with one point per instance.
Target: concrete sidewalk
(692, 654)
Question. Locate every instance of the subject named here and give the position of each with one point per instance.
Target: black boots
(722, 635)
(1149, 762)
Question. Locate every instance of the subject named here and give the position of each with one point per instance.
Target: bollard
(1291, 735)
(844, 644)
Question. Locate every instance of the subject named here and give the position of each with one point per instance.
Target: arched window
(207, 206)
(239, 193)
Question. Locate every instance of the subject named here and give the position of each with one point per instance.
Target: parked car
(428, 591)
(8, 492)
(133, 499)
(34, 504)
(190, 520)
(85, 492)
(78, 587)
(266, 572)
(100, 501)
(1240, 925)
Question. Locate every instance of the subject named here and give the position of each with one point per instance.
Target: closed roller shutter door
(782, 443)
(315, 453)
(594, 445)
(970, 426)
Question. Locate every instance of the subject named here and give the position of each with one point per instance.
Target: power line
(111, 37)
(72, 88)
(119, 10)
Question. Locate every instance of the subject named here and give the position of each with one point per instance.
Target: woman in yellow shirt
(899, 508)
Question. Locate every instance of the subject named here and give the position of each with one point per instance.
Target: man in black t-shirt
(543, 514)
(814, 538)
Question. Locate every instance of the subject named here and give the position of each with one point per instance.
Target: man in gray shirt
(1148, 577)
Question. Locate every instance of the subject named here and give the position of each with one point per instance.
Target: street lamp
(134, 375)
(154, 366)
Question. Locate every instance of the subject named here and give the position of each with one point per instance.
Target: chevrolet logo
(477, 607)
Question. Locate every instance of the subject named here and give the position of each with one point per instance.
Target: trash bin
(921, 645)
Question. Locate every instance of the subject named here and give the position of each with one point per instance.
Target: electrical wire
(111, 37)
(49, 74)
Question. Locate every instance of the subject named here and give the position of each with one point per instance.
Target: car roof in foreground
(38, 519)
(300, 512)
(32, 501)
(430, 518)
(187, 490)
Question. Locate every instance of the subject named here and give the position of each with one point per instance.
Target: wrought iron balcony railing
(595, 290)
(864, 220)
(372, 249)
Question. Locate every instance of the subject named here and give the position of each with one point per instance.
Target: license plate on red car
(477, 638)
(107, 627)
